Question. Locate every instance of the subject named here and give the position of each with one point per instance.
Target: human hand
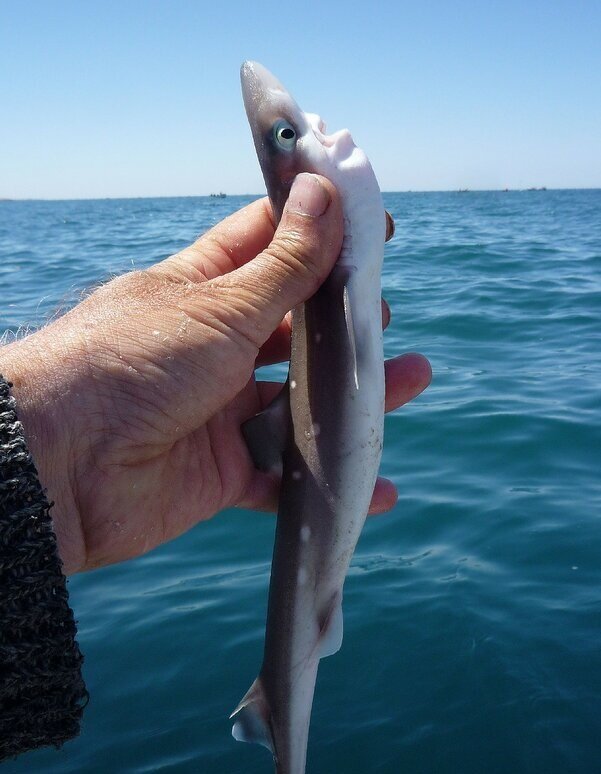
(133, 401)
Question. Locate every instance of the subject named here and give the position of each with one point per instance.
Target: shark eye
(285, 134)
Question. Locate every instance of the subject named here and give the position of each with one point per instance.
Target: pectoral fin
(265, 433)
(348, 316)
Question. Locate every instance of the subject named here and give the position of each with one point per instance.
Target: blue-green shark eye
(285, 134)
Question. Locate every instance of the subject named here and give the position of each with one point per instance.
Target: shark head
(287, 140)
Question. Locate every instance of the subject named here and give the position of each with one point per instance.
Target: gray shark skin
(325, 430)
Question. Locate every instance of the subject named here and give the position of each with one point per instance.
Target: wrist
(41, 381)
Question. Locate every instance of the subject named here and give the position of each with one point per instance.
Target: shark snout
(257, 81)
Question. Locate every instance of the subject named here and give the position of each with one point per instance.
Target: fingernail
(389, 226)
(308, 196)
(385, 313)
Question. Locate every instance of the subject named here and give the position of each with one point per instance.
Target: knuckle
(297, 253)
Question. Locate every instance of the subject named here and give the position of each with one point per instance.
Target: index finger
(232, 242)
(236, 240)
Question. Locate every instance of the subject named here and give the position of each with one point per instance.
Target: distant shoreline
(540, 189)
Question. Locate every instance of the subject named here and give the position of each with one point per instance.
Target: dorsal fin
(330, 637)
(251, 718)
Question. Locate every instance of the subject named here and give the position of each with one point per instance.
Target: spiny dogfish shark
(324, 432)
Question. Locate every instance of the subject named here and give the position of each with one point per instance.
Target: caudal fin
(251, 718)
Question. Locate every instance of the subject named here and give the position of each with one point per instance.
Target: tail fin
(251, 718)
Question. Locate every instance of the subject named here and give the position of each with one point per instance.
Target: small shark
(325, 429)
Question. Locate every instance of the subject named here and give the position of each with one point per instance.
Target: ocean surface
(473, 610)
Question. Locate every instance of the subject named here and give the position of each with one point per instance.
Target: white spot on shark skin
(292, 385)
(305, 533)
(302, 576)
(314, 431)
(296, 475)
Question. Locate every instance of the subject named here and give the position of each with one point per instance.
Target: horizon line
(530, 189)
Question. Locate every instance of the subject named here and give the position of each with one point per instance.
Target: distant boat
(463, 190)
(542, 188)
(220, 195)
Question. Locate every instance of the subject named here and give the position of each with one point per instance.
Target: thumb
(300, 256)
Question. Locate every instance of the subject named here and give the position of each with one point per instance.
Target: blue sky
(139, 98)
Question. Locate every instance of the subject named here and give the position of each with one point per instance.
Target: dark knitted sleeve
(42, 693)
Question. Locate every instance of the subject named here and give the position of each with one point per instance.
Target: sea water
(472, 611)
